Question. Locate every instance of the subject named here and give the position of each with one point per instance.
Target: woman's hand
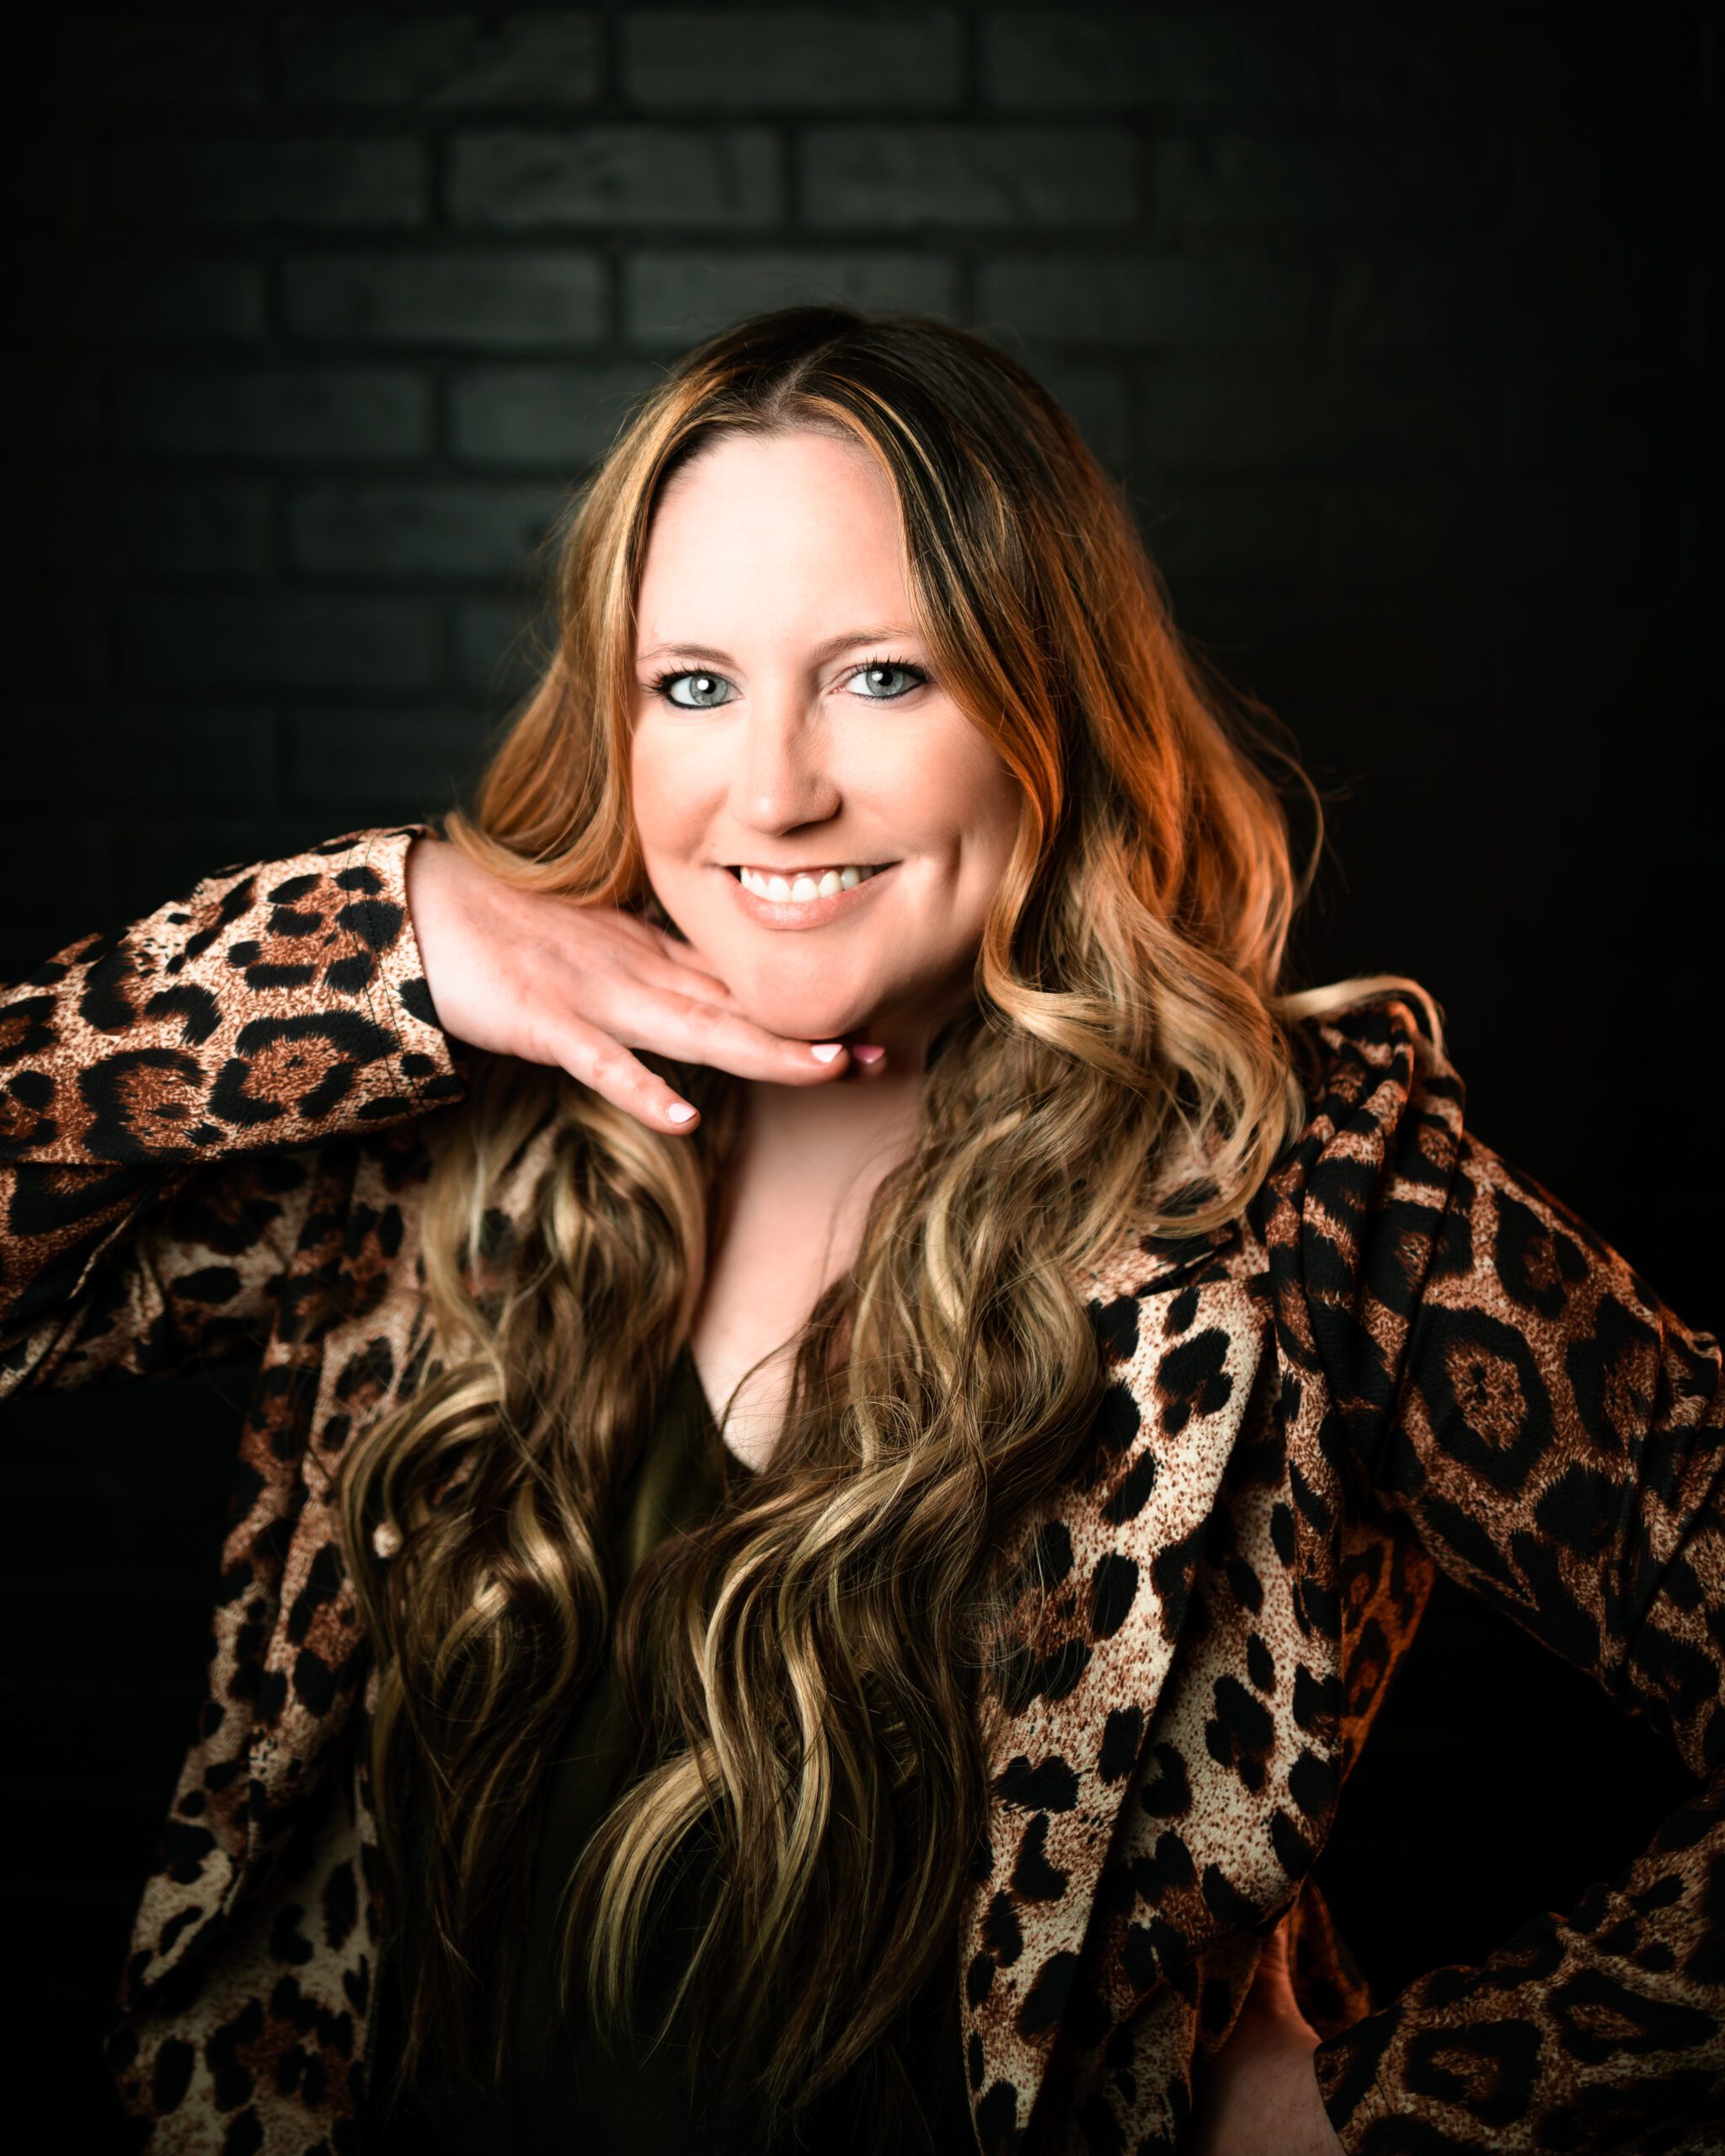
(524, 974)
(1259, 2095)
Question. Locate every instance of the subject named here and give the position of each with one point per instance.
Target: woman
(840, 1468)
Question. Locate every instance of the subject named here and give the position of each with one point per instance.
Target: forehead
(779, 528)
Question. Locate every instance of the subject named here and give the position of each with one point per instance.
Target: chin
(801, 1010)
(798, 1018)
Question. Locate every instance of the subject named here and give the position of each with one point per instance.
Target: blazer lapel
(1107, 1569)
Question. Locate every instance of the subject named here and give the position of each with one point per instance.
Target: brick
(271, 182)
(904, 178)
(150, 759)
(54, 188)
(1636, 423)
(551, 418)
(55, 868)
(285, 641)
(460, 301)
(59, 639)
(1076, 62)
(396, 763)
(671, 299)
(141, 301)
(1328, 654)
(470, 530)
(1135, 302)
(751, 60)
(500, 651)
(1235, 535)
(150, 58)
(276, 414)
(1585, 184)
(1629, 299)
(62, 399)
(443, 63)
(1236, 180)
(1390, 62)
(1093, 395)
(714, 179)
(159, 856)
(1329, 417)
(160, 534)
(1569, 538)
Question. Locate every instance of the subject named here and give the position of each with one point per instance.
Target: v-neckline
(693, 1374)
(710, 1426)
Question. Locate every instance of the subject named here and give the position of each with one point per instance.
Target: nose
(784, 778)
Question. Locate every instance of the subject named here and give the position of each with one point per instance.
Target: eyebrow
(833, 644)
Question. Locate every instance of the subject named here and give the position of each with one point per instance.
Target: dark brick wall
(1396, 322)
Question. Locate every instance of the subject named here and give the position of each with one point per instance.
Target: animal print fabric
(1405, 1354)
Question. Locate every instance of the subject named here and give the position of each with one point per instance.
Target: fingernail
(681, 1111)
(827, 1050)
(869, 1054)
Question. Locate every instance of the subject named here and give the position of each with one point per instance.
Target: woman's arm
(166, 1089)
(1556, 1436)
(163, 1092)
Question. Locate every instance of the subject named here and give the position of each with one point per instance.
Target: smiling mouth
(799, 886)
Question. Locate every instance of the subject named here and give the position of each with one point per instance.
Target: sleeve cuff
(422, 1070)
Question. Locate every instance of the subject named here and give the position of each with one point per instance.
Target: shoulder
(1384, 1113)
(1369, 1050)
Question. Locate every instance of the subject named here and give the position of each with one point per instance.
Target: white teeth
(798, 890)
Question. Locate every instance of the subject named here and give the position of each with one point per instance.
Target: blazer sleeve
(1555, 1437)
(165, 1091)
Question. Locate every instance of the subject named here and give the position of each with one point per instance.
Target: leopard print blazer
(1404, 1353)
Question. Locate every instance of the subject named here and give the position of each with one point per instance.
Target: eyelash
(661, 683)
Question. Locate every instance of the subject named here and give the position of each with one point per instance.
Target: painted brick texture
(1291, 273)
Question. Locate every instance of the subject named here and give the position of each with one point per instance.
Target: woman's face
(787, 726)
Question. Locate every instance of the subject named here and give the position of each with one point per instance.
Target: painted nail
(868, 1054)
(827, 1050)
(681, 1111)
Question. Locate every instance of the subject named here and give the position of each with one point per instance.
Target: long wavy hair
(809, 1672)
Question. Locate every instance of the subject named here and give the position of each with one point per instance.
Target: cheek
(666, 794)
(987, 797)
(943, 779)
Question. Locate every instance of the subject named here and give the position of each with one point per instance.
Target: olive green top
(563, 2089)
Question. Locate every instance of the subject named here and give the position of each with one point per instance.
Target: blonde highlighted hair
(810, 1673)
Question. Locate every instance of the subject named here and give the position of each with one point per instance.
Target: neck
(825, 1133)
(827, 1130)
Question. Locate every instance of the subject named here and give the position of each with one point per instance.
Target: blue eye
(883, 680)
(879, 676)
(706, 690)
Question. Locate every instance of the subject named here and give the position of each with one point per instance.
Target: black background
(1395, 321)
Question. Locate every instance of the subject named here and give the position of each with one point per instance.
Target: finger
(662, 943)
(683, 954)
(692, 1030)
(601, 1062)
(637, 946)
(652, 966)
(609, 957)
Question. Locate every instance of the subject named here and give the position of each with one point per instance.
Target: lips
(801, 884)
(806, 913)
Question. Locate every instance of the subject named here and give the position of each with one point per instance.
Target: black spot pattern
(1427, 1361)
